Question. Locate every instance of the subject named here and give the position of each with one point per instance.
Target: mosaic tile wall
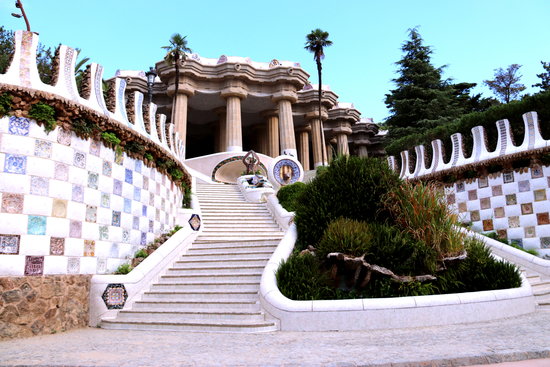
(71, 206)
(513, 204)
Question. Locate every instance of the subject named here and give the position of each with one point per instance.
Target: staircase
(215, 285)
(541, 289)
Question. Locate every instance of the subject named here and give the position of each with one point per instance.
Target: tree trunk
(323, 147)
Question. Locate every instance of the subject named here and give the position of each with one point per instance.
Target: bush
(288, 195)
(134, 147)
(85, 128)
(110, 138)
(5, 104)
(45, 114)
(351, 187)
(300, 278)
(186, 201)
(141, 253)
(347, 236)
(123, 269)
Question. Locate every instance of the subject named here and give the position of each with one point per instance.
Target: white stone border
(385, 313)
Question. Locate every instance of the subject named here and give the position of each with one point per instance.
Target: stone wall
(36, 305)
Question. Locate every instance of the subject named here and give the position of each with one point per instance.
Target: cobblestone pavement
(513, 339)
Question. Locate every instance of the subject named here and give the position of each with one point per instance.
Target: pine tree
(544, 84)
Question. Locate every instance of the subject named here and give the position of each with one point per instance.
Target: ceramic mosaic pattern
(512, 204)
(34, 265)
(115, 296)
(87, 198)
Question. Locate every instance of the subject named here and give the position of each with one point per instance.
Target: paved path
(520, 338)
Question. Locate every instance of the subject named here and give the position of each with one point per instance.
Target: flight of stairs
(215, 285)
(541, 289)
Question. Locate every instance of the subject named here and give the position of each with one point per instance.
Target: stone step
(218, 286)
(236, 211)
(189, 306)
(183, 316)
(246, 229)
(244, 217)
(201, 243)
(541, 289)
(252, 236)
(206, 203)
(200, 296)
(223, 256)
(232, 226)
(192, 325)
(186, 263)
(242, 278)
(218, 270)
(212, 249)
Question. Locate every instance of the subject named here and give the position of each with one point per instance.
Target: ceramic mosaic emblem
(89, 248)
(502, 234)
(527, 208)
(499, 212)
(485, 203)
(138, 165)
(151, 226)
(116, 219)
(61, 171)
(137, 194)
(15, 164)
(95, 147)
(524, 186)
(78, 193)
(103, 232)
(93, 180)
(126, 236)
(107, 168)
(511, 199)
(113, 251)
(42, 148)
(117, 187)
(195, 222)
(64, 137)
(36, 225)
(73, 265)
(34, 265)
(128, 177)
(462, 207)
(513, 221)
(105, 200)
(483, 182)
(79, 160)
(530, 232)
(540, 195)
(12, 203)
(145, 183)
(57, 246)
(496, 190)
(115, 296)
(472, 195)
(460, 187)
(9, 244)
(536, 172)
(19, 126)
(508, 177)
(59, 208)
(39, 186)
(75, 229)
(451, 199)
(157, 215)
(91, 213)
(488, 225)
(151, 199)
(543, 218)
(101, 265)
(545, 242)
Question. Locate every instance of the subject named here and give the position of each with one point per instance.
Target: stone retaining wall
(43, 305)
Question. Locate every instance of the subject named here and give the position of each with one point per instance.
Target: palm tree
(316, 41)
(176, 52)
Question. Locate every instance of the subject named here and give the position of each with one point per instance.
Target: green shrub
(123, 269)
(176, 174)
(300, 278)
(344, 235)
(45, 114)
(141, 253)
(110, 138)
(351, 187)
(288, 195)
(148, 156)
(186, 201)
(85, 128)
(5, 104)
(134, 147)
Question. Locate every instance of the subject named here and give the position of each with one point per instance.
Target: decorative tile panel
(75, 229)
(117, 187)
(91, 213)
(195, 222)
(451, 199)
(34, 265)
(151, 226)
(57, 246)
(128, 176)
(502, 234)
(527, 208)
(152, 199)
(508, 177)
(144, 210)
(143, 240)
(524, 186)
(145, 183)
(39, 186)
(540, 195)
(115, 296)
(73, 265)
(95, 147)
(530, 232)
(42, 149)
(488, 225)
(89, 248)
(105, 200)
(127, 206)
(543, 218)
(93, 180)
(19, 126)
(137, 194)
(9, 244)
(78, 194)
(496, 190)
(64, 137)
(59, 208)
(119, 157)
(12, 203)
(138, 165)
(482, 182)
(511, 199)
(485, 203)
(79, 160)
(103, 232)
(545, 242)
(61, 171)
(107, 168)
(536, 172)
(15, 164)
(513, 221)
(101, 265)
(116, 219)
(125, 236)
(135, 223)
(499, 212)
(462, 207)
(517, 242)
(472, 195)
(36, 225)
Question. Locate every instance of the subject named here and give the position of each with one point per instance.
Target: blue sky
(472, 37)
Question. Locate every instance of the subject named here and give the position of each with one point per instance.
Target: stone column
(342, 147)
(179, 115)
(233, 133)
(221, 137)
(317, 143)
(303, 144)
(362, 151)
(286, 122)
(272, 133)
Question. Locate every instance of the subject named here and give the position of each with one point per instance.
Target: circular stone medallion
(285, 170)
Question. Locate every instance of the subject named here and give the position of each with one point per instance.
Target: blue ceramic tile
(42, 148)
(36, 225)
(107, 168)
(103, 232)
(128, 176)
(137, 194)
(117, 187)
(143, 241)
(127, 206)
(19, 126)
(15, 164)
(151, 226)
(116, 219)
(135, 223)
(78, 193)
(138, 166)
(39, 186)
(93, 180)
(144, 210)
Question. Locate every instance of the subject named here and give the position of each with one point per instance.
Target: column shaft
(304, 149)
(362, 151)
(342, 147)
(273, 136)
(234, 138)
(317, 143)
(179, 118)
(286, 128)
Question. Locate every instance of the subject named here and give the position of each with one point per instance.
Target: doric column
(330, 150)
(362, 151)
(303, 144)
(233, 133)
(342, 147)
(320, 154)
(260, 138)
(272, 133)
(221, 136)
(286, 123)
(179, 114)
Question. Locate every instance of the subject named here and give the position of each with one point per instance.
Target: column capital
(315, 115)
(234, 91)
(285, 95)
(183, 88)
(270, 113)
(306, 128)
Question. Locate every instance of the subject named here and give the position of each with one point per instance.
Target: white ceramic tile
(117, 203)
(105, 184)
(93, 163)
(62, 153)
(37, 205)
(55, 265)
(92, 196)
(37, 131)
(90, 231)
(12, 265)
(78, 176)
(34, 245)
(40, 167)
(60, 189)
(88, 265)
(102, 248)
(104, 216)
(115, 234)
(127, 190)
(525, 197)
(17, 144)
(13, 223)
(74, 247)
(80, 144)
(76, 211)
(58, 227)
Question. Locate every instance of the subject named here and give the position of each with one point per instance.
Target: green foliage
(123, 269)
(85, 128)
(5, 104)
(176, 174)
(186, 201)
(351, 187)
(494, 236)
(45, 114)
(134, 147)
(420, 210)
(141, 253)
(300, 278)
(544, 84)
(110, 138)
(288, 195)
(148, 156)
(320, 170)
(344, 235)
(506, 85)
